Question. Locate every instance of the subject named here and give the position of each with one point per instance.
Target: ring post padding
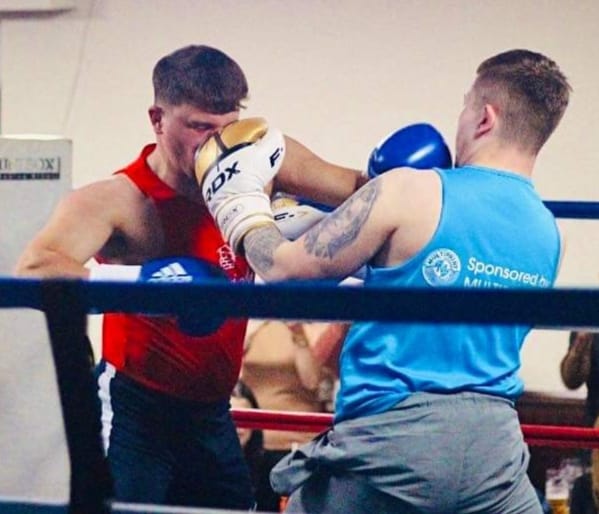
(91, 483)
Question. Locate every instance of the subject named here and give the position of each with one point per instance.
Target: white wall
(336, 74)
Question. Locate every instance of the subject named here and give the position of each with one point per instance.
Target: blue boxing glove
(170, 270)
(179, 270)
(419, 146)
(186, 270)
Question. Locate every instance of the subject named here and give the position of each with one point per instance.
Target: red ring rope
(535, 435)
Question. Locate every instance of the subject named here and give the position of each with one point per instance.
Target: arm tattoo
(342, 226)
(260, 246)
(333, 233)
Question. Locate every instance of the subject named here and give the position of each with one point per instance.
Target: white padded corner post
(35, 171)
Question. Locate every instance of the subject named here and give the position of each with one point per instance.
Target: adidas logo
(172, 273)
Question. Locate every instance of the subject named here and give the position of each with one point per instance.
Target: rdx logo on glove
(225, 175)
(221, 179)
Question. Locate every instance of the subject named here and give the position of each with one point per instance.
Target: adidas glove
(171, 270)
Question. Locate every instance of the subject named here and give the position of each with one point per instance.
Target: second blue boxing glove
(418, 146)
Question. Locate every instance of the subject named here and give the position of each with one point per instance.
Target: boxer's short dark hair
(201, 76)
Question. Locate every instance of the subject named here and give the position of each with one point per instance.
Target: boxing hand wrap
(233, 167)
(170, 270)
(419, 146)
(114, 273)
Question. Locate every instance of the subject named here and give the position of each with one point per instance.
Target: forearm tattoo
(336, 231)
(340, 228)
(260, 246)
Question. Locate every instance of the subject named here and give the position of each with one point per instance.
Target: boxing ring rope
(573, 209)
(563, 308)
(66, 303)
(535, 435)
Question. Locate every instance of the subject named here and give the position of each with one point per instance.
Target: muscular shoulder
(135, 226)
(114, 194)
(409, 189)
(411, 204)
(115, 206)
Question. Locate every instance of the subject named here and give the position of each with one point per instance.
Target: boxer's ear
(487, 119)
(155, 113)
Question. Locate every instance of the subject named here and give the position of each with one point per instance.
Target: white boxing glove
(233, 167)
(295, 216)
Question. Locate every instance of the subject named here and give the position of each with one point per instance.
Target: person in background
(580, 366)
(285, 366)
(582, 499)
(251, 440)
(327, 347)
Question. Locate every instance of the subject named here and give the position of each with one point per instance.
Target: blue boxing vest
(494, 232)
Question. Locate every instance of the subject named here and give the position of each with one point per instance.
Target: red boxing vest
(151, 349)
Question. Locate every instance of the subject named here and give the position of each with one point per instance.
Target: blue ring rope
(543, 308)
(574, 209)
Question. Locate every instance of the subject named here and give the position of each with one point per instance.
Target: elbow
(36, 264)
(310, 381)
(27, 265)
(570, 382)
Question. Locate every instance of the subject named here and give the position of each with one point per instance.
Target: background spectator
(580, 366)
(251, 440)
(289, 368)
